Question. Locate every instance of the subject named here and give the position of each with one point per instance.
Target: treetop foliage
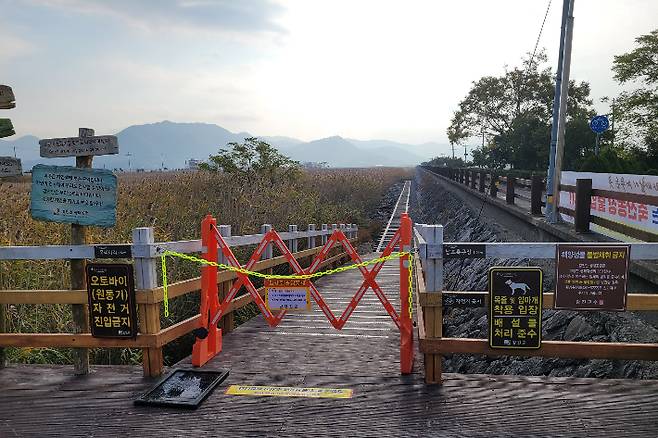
(254, 159)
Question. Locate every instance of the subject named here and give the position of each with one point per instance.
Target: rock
(578, 330)
(434, 204)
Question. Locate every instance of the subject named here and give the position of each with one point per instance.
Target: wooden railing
(532, 186)
(429, 305)
(583, 192)
(149, 295)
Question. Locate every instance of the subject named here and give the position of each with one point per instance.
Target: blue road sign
(599, 124)
(69, 194)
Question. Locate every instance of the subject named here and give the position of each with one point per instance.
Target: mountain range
(170, 145)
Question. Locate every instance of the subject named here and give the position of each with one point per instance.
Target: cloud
(249, 16)
(13, 46)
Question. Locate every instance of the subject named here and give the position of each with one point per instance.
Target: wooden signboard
(79, 146)
(74, 195)
(6, 128)
(287, 294)
(464, 251)
(6, 97)
(111, 294)
(10, 166)
(592, 277)
(515, 307)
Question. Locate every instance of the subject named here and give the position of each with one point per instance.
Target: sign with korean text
(79, 146)
(10, 166)
(464, 251)
(113, 251)
(638, 215)
(591, 277)
(73, 195)
(515, 307)
(111, 294)
(464, 299)
(289, 391)
(287, 294)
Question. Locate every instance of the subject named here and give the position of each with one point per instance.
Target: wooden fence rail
(429, 304)
(582, 191)
(149, 295)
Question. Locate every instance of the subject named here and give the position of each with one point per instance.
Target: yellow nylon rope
(394, 255)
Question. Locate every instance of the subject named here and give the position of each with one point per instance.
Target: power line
(541, 29)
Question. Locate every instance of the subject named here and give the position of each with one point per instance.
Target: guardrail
(148, 295)
(495, 181)
(429, 303)
(582, 191)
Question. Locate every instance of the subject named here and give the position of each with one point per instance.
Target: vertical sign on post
(111, 295)
(79, 196)
(591, 277)
(515, 307)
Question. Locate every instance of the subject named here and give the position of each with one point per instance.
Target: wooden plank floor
(304, 351)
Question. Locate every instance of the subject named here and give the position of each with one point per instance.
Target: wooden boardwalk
(304, 351)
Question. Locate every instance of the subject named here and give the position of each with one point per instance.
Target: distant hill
(171, 144)
(339, 152)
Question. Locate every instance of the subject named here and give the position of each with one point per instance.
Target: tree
(444, 161)
(513, 114)
(637, 110)
(251, 160)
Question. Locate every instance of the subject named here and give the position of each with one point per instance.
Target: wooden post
(3, 329)
(149, 314)
(535, 195)
(310, 241)
(78, 278)
(583, 205)
(509, 194)
(227, 323)
(482, 181)
(433, 315)
(292, 243)
(267, 253)
(493, 185)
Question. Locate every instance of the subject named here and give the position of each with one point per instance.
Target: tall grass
(173, 203)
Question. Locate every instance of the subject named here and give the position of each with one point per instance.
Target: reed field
(173, 203)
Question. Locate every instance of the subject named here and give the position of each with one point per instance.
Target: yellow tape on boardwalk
(288, 391)
(165, 283)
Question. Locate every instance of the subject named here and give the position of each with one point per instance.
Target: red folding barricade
(212, 310)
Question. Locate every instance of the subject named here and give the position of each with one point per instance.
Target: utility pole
(129, 155)
(613, 122)
(551, 204)
(465, 154)
(566, 70)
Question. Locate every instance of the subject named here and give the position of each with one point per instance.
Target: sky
(308, 69)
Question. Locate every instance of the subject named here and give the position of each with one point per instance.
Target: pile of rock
(435, 204)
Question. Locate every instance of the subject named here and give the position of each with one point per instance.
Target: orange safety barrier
(208, 346)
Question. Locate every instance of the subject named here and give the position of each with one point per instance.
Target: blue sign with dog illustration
(515, 307)
(74, 195)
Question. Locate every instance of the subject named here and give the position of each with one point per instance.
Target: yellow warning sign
(289, 391)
